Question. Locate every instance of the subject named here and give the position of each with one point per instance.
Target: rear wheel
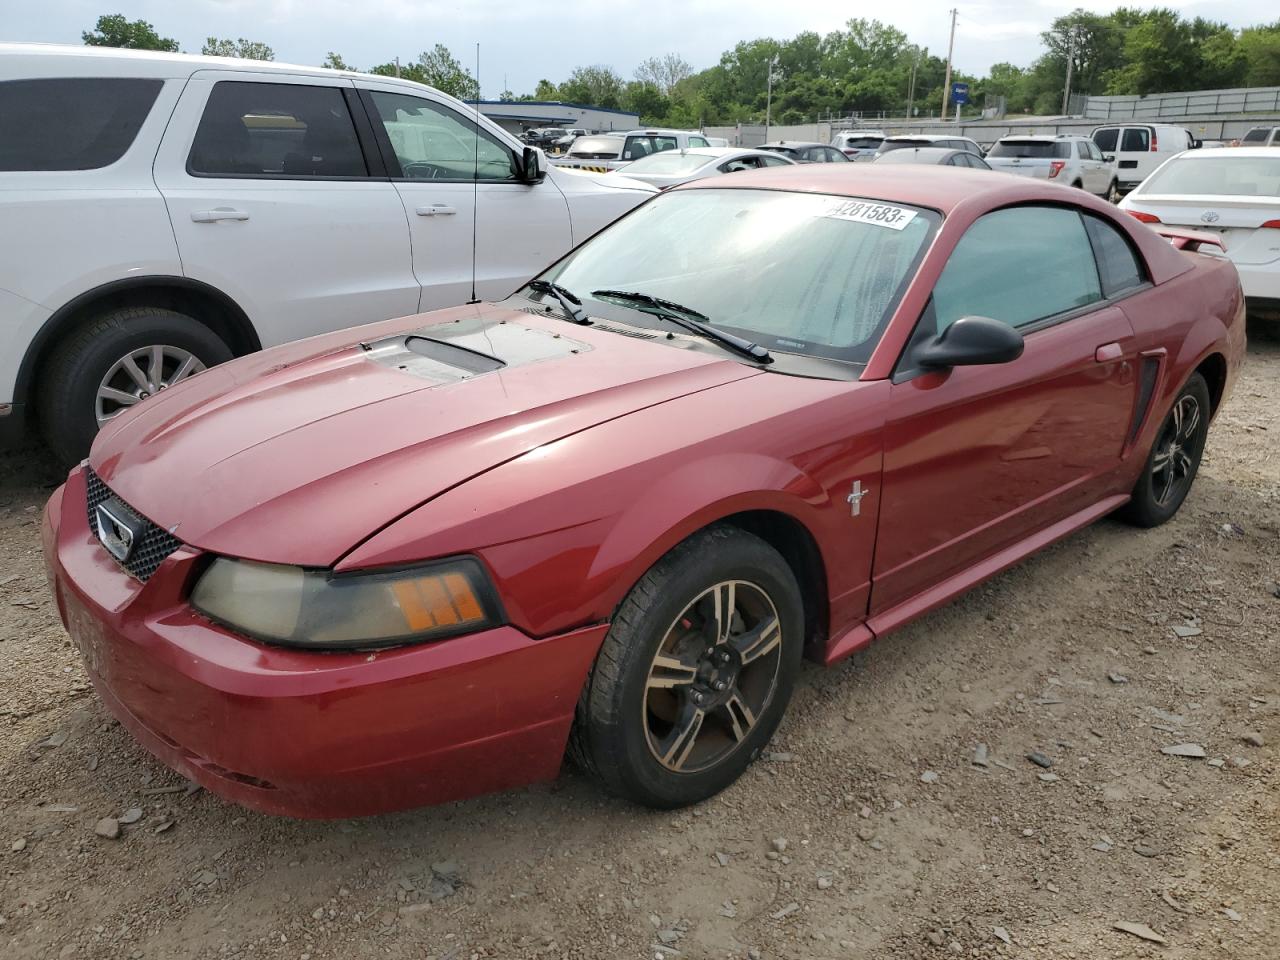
(113, 363)
(695, 673)
(1174, 460)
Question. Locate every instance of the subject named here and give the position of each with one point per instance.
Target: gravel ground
(869, 831)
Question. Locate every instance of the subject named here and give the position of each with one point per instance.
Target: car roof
(713, 152)
(795, 144)
(663, 130)
(1227, 153)
(1042, 137)
(116, 61)
(931, 137)
(924, 152)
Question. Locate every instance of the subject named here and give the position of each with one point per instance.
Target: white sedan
(1233, 193)
(672, 167)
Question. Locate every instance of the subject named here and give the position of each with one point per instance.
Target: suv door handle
(218, 213)
(437, 210)
(1108, 352)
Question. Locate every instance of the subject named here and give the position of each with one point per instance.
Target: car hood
(298, 454)
(581, 181)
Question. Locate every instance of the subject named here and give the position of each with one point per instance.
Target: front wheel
(1174, 460)
(695, 673)
(1113, 192)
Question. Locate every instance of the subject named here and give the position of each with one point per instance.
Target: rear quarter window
(1119, 267)
(80, 123)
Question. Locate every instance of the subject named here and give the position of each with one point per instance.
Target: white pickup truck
(163, 213)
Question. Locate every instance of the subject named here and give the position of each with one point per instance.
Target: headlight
(298, 607)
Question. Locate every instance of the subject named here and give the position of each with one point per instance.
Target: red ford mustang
(761, 417)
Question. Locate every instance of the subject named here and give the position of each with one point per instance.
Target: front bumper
(309, 734)
(1260, 281)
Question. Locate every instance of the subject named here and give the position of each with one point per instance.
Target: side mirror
(971, 341)
(533, 166)
(1109, 157)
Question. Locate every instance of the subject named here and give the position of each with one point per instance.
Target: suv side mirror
(1109, 157)
(971, 341)
(532, 166)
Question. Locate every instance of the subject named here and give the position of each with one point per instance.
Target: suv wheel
(114, 362)
(1113, 192)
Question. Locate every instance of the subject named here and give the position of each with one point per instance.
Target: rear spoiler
(1190, 240)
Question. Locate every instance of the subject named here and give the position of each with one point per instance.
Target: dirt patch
(833, 846)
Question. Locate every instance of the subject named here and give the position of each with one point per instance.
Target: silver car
(672, 167)
(1074, 161)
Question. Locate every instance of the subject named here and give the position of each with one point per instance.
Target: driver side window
(431, 142)
(1020, 266)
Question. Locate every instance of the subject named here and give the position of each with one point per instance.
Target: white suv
(163, 213)
(1074, 161)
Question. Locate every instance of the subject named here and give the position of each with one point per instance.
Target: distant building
(517, 116)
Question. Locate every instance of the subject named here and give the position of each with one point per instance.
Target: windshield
(1257, 135)
(1030, 149)
(1217, 175)
(798, 273)
(888, 145)
(668, 163)
(863, 143)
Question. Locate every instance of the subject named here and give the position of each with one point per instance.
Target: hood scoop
(449, 352)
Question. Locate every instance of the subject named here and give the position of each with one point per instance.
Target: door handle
(218, 213)
(437, 210)
(1108, 352)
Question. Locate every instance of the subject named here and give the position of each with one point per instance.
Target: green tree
(440, 69)
(664, 72)
(406, 71)
(646, 99)
(546, 90)
(113, 30)
(241, 49)
(597, 85)
(334, 61)
(1261, 46)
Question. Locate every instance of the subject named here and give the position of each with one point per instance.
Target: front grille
(149, 549)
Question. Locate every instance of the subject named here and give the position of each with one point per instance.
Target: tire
(1178, 445)
(1079, 185)
(68, 395)
(633, 709)
(1113, 194)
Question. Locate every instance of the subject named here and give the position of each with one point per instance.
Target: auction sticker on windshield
(877, 214)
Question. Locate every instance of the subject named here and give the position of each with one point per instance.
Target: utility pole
(911, 88)
(946, 86)
(768, 98)
(397, 66)
(1071, 61)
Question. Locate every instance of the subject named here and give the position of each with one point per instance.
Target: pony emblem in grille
(150, 546)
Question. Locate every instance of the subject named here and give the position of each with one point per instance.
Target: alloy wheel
(1174, 460)
(141, 373)
(713, 675)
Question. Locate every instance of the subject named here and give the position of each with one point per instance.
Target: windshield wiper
(691, 320)
(568, 302)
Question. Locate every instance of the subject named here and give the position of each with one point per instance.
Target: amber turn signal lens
(435, 601)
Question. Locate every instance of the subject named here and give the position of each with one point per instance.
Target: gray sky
(525, 40)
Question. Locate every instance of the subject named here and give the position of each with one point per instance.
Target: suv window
(1031, 149)
(698, 142)
(1019, 266)
(275, 130)
(1118, 266)
(1106, 139)
(1136, 139)
(431, 142)
(1257, 135)
(642, 145)
(71, 124)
